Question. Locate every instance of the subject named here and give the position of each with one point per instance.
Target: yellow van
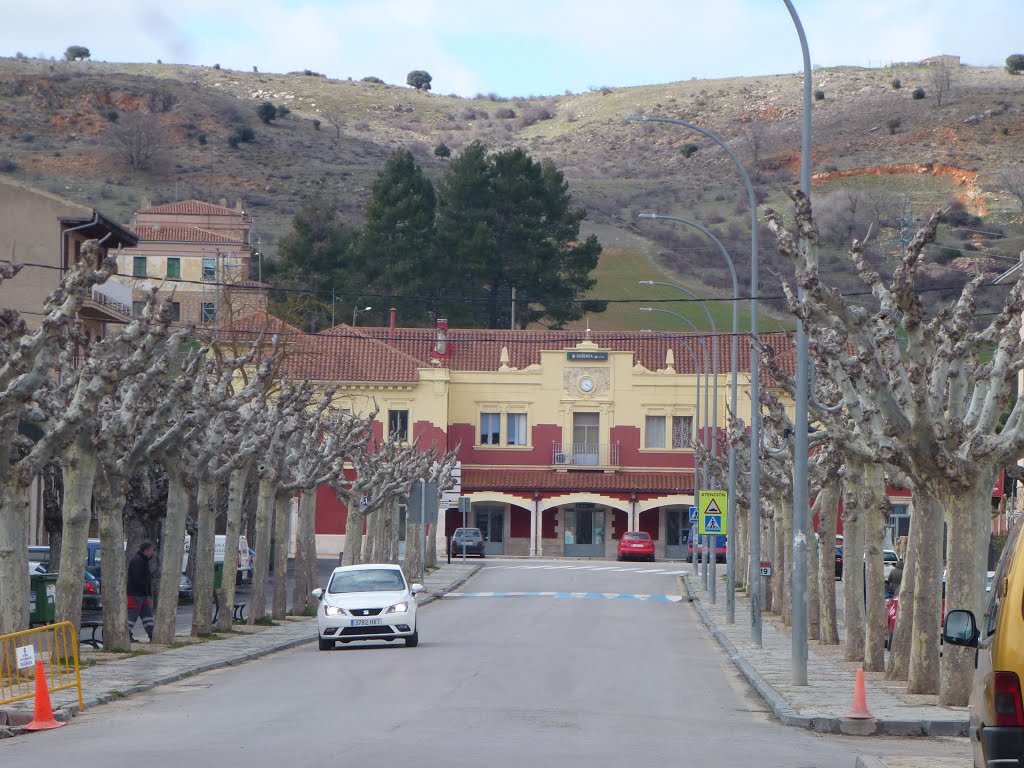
(996, 709)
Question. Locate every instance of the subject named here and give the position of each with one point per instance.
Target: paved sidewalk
(113, 677)
(823, 703)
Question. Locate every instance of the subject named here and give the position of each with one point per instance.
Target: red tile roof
(550, 480)
(347, 355)
(182, 233)
(193, 208)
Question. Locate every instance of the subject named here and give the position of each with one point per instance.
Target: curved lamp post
(730, 546)
(754, 578)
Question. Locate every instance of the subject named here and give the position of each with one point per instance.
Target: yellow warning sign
(712, 509)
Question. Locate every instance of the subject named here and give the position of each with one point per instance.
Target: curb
(868, 761)
(67, 712)
(823, 723)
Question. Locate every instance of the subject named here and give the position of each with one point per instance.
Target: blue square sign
(693, 514)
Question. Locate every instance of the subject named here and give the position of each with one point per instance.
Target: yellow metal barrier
(56, 645)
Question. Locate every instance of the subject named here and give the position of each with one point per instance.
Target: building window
(139, 266)
(137, 308)
(654, 432)
(398, 425)
(208, 313)
(490, 429)
(175, 311)
(516, 432)
(174, 268)
(209, 268)
(682, 431)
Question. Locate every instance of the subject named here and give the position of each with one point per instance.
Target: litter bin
(42, 598)
(218, 575)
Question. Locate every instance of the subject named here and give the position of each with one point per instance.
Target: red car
(636, 544)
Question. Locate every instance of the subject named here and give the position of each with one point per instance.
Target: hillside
(59, 120)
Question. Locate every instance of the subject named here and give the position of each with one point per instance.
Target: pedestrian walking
(895, 578)
(140, 590)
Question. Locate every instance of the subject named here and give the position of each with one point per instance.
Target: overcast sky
(522, 47)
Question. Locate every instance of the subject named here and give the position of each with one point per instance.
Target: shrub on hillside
(819, 95)
(316, 125)
(893, 124)
(283, 110)
(896, 84)
(689, 150)
(532, 115)
(372, 79)
(111, 114)
(7, 165)
(918, 93)
(442, 150)
(266, 112)
(419, 79)
(77, 53)
(241, 135)
(1015, 63)
(505, 113)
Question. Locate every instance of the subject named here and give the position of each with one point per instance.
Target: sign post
(464, 507)
(712, 521)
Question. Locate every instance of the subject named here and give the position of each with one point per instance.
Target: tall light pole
(358, 311)
(709, 422)
(754, 578)
(697, 483)
(712, 583)
(801, 512)
(730, 542)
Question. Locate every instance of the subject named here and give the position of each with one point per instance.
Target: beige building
(45, 232)
(201, 252)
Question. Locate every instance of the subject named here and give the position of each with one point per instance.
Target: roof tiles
(183, 233)
(551, 480)
(193, 208)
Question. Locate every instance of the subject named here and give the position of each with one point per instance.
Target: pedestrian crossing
(606, 568)
(575, 596)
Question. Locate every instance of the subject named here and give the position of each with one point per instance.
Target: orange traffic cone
(43, 720)
(860, 700)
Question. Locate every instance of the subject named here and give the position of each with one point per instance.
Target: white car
(367, 602)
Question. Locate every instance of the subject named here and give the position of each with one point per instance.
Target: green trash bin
(218, 575)
(42, 598)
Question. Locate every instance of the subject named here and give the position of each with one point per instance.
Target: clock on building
(586, 384)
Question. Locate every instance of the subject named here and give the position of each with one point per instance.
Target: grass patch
(266, 621)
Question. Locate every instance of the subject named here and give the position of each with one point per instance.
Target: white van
(218, 555)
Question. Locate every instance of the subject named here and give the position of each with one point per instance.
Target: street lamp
(730, 542)
(357, 311)
(754, 578)
(709, 571)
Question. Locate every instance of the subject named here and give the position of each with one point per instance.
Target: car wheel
(619, 558)
(326, 645)
(483, 555)
(412, 640)
(651, 558)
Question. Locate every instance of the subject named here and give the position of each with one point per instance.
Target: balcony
(584, 455)
(103, 306)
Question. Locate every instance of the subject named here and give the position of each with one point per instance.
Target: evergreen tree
(395, 246)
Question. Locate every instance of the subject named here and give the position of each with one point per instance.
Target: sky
(518, 48)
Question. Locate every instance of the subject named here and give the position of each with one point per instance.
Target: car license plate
(366, 622)
(637, 546)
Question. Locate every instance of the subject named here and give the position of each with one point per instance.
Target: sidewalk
(113, 676)
(823, 703)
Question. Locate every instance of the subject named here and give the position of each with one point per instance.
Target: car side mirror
(417, 588)
(318, 593)
(961, 629)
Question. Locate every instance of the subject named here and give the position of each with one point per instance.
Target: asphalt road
(597, 678)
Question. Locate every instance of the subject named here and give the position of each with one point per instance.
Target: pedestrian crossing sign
(711, 518)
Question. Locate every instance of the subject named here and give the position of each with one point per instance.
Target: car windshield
(468, 533)
(367, 580)
(638, 536)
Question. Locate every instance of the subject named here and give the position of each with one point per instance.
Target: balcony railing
(105, 301)
(585, 454)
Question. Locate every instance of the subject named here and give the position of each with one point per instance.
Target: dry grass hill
(61, 122)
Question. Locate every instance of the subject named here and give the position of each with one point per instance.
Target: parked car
(636, 544)
(469, 538)
(995, 710)
(719, 546)
(252, 565)
(839, 561)
(92, 596)
(889, 561)
(185, 589)
(892, 606)
(367, 602)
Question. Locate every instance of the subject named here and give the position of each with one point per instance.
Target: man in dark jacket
(140, 590)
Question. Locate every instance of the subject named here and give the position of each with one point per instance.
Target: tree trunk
(969, 518)
(282, 517)
(232, 525)
(375, 546)
(923, 675)
(813, 600)
(53, 502)
(772, 543)
(305, 554)
(172, 549)
(899, 643)
(431, 553)
(828, 507)
(741, 552)
(875, 509)
(853, 567)
(80, 464)
(413, 555)
(264, 521)
(352, 554)
(110, 501)
(786, 554)
(14, 580)
(202, 552)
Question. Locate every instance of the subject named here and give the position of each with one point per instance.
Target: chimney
(239, 206)
(442, 351)
(223, 202)
(392, 323)
(147, 202)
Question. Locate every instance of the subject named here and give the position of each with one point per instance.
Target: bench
(95, 642)
(238, 609)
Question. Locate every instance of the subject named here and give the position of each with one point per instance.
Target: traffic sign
(693, 514)
(711, 513)
(766, 567)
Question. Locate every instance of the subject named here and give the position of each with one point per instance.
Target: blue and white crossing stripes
(574, 596)
(609, 568)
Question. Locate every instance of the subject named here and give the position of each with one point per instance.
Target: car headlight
(333, 610)
(398, 608)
